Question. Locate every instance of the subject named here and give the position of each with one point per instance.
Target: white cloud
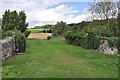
(38, 13)
(76, 19)
(85, 10)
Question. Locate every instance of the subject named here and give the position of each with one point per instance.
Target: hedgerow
(90, 40)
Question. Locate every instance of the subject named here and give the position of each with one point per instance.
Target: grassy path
(57, 59)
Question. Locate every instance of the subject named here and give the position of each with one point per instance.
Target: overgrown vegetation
(88, 34)
(59, 29)
(18, 34)
(14, 22)
(90, 40)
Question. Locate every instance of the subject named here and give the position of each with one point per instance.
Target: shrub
(103, 28)
(39, 31)
(18, 34)
(44, 31)
(3, 34)
(8, 33)
(49, 31)
(97, 42)
(27, 32)
(118, 45)
(90, 41)
(76, 39)
(48, 38)
(83, 42)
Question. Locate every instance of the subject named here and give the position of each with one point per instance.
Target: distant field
(36, 30)
(57, 59)
(39, 35)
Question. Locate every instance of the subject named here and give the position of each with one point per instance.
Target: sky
(42, 12)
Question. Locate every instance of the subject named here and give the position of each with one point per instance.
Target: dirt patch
(39, 35)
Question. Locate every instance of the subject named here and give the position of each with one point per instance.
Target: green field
(57, 59)
(36, 30)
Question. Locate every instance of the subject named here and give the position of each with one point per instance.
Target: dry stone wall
(7, 47)
(105, 48)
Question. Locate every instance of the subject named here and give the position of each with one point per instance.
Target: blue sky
(49, 12)
(80, 6)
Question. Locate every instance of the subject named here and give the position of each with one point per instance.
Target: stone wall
(7, 47)
(106, 49)
(57, 38)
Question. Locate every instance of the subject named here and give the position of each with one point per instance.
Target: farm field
(57, 59)
(39, 35)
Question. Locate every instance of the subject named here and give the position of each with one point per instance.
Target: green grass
(57, 59)
(36, 30)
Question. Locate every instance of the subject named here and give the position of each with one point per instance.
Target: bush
(103, 28)
(90, 41)
(48, 38)
(44, 31)
(18, 34)
(8, 33)
(27, 33)
(97, 42)
(76, 39)
(49, 31)
(118, 45)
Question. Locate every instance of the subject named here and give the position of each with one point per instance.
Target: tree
(6, 21)
(59, 29)
(103, 10)
(22, 21)
(118, 18)
(13, 20)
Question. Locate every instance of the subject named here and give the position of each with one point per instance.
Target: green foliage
(18, 34)
(13, 20)
(90, 41)
(27, 32)
(44, 31)
(48, 38)
(105, 28)
(59, 28)
(118, 45)
(118, 23)
(77, 27)
(22, 25)
(9, 33)
(49, 31)
(76, 39)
